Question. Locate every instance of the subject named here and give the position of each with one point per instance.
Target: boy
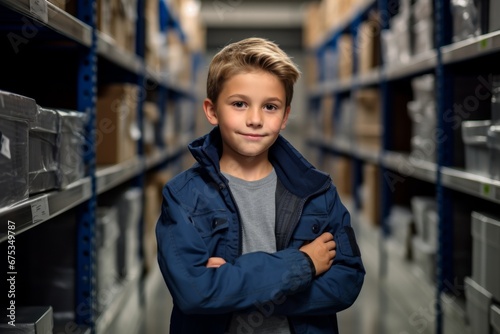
(252, 238)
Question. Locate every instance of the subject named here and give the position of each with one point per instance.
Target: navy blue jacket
(200, 219)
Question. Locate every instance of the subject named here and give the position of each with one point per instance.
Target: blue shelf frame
(85, 284)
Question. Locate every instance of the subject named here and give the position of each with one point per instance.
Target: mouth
(252, 135)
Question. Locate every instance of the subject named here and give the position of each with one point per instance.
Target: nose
(254, 117)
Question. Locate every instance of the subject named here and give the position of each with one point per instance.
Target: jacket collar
(294, 171)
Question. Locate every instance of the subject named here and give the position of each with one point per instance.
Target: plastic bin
(478, 303)
(475, 135)
(485, 231)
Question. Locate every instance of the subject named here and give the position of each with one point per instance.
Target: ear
(285, 117)
(210, 111)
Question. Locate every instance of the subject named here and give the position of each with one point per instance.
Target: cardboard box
(369, 52)
(117, 131)
(368, 122)
(345, 47)
(371, 198)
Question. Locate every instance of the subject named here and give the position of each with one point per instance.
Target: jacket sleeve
(338, 288)
(195, 289)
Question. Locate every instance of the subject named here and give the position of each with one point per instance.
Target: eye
(270, 107)
(239, 104)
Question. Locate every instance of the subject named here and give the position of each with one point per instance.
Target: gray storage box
(43, 151)
(495, 318)
(494, 22)
(474, 135)
(30, 320)
(420, 206)
(13, 160)
(71, 149)
(478, 303)
(494, 146)
(485, 231)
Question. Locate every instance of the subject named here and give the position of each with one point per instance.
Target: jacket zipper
(223, 185)
(291, 227)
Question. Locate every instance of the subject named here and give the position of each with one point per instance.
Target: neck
(250, 169)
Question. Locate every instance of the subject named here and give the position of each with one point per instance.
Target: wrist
(311, 264)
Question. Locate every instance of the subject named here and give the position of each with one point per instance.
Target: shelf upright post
(86, 296)
(445, 275)
(387, 119)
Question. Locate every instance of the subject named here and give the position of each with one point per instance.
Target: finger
(327, 236)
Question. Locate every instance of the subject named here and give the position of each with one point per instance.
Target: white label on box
(40, 210)
(39, 9)
(5, 144)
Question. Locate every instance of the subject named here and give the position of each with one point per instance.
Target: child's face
(250, 112)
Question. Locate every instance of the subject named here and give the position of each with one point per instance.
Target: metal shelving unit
(448, 180)
(87, 47)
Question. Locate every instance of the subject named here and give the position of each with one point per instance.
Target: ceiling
(230, 20)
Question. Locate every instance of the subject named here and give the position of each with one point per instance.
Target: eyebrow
(244, 97)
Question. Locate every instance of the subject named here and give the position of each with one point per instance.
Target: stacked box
(493, 143)
(346, 55)
(478, 303)
(423, 26)
(368, 49)
(466, 19)
(71, 146)
(474, 135)
(117, 130)
(44, 151)
(130, 211)
(422, 112)
(106, 238)
(368, 118)
(485, 230)
(30, 320)
(495, 318)
(16, 113)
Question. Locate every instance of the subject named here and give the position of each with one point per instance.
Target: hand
(321, 251)
(215, 262)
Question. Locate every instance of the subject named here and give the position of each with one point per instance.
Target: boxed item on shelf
(423, 36)
(29, 320)
(420, 206)
(495, 100)
(368, 118)
(13, 160)
(401, 225)
(59, 3)
(494, 9)
(44, 151)
(106, 238)
(313, 26)
(129, 215)
(345, 49)
(371, 191)
(495, 318)
(478, 303)
(422, 10)
(485, 230)
(117, 131)
(17, 113)
(368, 45)
(423, 137)
(494, 147)
(466, 19)
(425, 255)
(71, 146)
(474, 135)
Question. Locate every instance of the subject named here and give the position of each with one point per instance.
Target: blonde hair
(247, 55)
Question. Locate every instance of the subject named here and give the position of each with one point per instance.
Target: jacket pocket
(310, 227)
(346, 242)
(213, 228)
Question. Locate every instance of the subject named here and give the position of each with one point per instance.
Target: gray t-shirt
(257, 207)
